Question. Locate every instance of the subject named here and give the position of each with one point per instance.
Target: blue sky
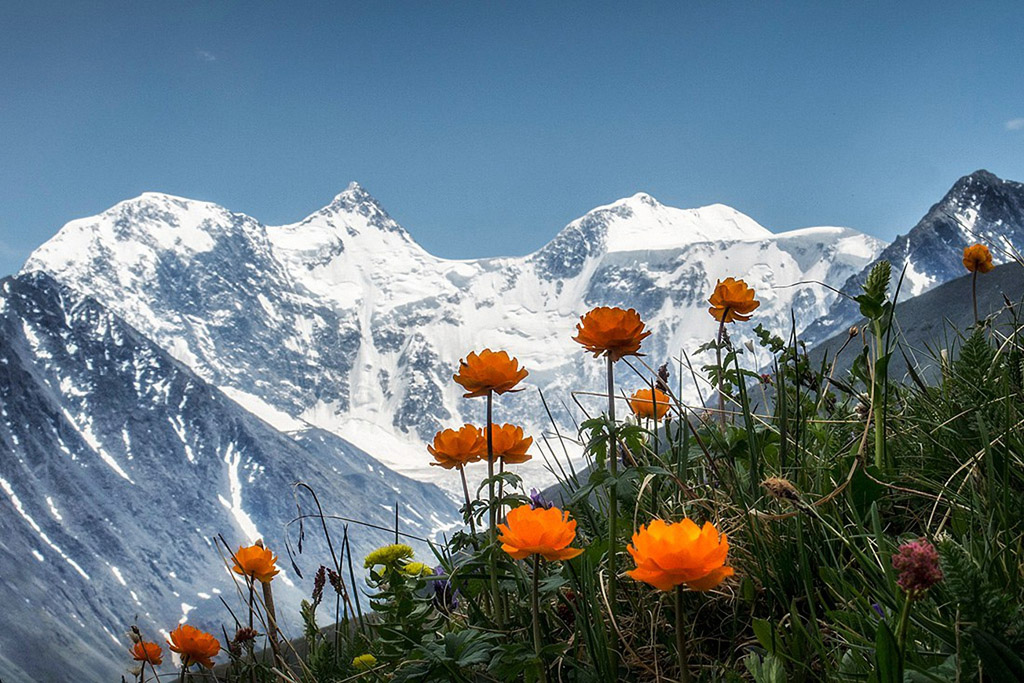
(484, 127)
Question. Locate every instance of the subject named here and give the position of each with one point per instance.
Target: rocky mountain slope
(118, 468)
(978, 208)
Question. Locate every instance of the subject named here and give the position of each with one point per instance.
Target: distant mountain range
(978, 208)
(169, 368)
(342, 322)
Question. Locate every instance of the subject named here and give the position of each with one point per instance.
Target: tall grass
(816, 477)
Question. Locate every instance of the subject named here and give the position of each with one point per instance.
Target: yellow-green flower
(364, 662)
(416, 569)
(388, 554)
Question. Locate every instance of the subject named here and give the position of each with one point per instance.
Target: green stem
(878, 398)
(721, 370)
(536, 617)
(901, 633)
(681, 648)
(469, 507)
(492, 516)
(613, 522)
(974, 294)
(252, 649)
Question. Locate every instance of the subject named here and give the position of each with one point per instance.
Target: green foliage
(873, 299)
(813, 521)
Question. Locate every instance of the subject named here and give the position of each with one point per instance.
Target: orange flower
(489, 371)
(978, 259)
(150, 653)
(509, 444)
(611, 331)
(643, 405)
(455, 449)
(547, 532)
(257, 562)
(668, 554)
(732, 300)
(194, 646)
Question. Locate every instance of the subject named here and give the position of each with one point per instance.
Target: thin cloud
(1015, 124)
(205, 55)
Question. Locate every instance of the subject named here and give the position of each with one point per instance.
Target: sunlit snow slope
(341, 321)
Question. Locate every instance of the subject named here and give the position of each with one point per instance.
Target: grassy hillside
(864, 531)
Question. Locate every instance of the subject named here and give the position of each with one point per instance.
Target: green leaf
(887, 655)
(1000, 662)
(864, 491)
(870, 307)
(765, 634)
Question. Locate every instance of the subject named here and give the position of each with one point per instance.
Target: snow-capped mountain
(978, 208)
(118, 468)
(342, 322)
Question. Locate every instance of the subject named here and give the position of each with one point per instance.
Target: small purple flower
(446, 598)
(918, 565)
(537, 500)
(878, 609)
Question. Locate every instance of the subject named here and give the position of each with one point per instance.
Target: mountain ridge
(343, 322)
(979, 207)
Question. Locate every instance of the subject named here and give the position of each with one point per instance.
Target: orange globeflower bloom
(257, 562)
(668, 554)
(455, 449)
(194, 646)
(643, 405)
(732, 300)
(509, 443)
(978, 259)
(150, 653)
(611, 331)
(489, 371)
(538, 531)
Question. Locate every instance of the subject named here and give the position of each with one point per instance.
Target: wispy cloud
(205, 55)
(1015, 124)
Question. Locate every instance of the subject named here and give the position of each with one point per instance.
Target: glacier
(342, 322)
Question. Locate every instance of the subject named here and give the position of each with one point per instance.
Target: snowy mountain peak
(979, 207)
(640, 198)
(355, 210)
(642, 223)
(137, 234)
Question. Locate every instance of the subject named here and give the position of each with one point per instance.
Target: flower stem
(252, 649)
(268, 603)
(878, 398)
(536, 616)
(901, 633)
(613, 522)
(681, 648)
(250, 582)
(469, 507)
(974, 294)
(721, 370)
(492, 516)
